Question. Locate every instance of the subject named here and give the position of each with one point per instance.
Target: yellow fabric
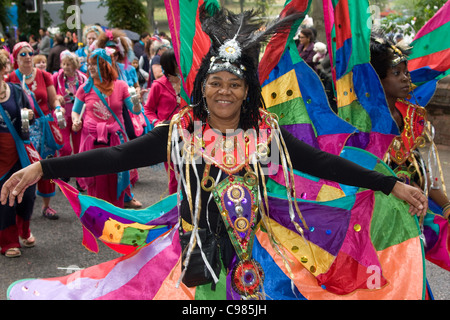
(345, 91)
(272, 93)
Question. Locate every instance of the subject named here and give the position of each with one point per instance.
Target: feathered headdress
(237, 37)
(398, 50)
(236, 41)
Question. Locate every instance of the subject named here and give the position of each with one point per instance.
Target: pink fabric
(162, 100)
(71, 139)
(101, 127)
(96, 110)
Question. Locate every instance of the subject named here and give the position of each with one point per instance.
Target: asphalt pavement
(59, 251)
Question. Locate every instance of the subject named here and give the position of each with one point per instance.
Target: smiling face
(92, 68)
(25, 58)
(224, 93)
(90, 38)
(396, 84)
(68, 66)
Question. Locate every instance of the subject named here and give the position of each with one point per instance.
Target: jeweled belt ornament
(237, 198)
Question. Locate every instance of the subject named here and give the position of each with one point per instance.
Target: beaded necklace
(237, 196)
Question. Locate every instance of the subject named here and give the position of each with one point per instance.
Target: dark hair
(250, 115)
(169, 63)
(59, 39)
(381, 54)
(143, 35)
(308, 33)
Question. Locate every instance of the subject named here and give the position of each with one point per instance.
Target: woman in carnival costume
(90, 35)
(390, 62)
(103, 96)
(404, 156)
(135, 124)
(217, 238)
(44, 133)
(67, 81)
(15, 112)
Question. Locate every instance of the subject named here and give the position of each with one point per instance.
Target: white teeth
(221, 101)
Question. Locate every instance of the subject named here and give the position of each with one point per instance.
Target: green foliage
(126, 14)
(425, 10)
(4, 19)
(410, 15)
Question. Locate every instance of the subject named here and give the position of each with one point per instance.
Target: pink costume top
(100, 127)
(162, 101)
(67, 87)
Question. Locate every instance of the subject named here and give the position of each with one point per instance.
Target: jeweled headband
(399, 57)
(229, 53)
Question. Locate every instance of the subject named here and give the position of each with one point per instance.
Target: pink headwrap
(17, 49)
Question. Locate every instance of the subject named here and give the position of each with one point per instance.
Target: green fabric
(427, 44)
(204, 292)
(388, 211)
(291, 112)
(356, 115)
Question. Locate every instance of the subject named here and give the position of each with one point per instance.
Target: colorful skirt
(363, 245)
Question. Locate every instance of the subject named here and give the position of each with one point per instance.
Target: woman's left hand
(418, 202)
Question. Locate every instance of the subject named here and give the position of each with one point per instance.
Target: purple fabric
(327, 225)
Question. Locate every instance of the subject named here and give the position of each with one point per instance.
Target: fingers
(14, 188)
(9, 191)
(418, 202)
(413, 196)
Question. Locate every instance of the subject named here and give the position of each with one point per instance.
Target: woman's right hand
(16, 185)
(76, 126)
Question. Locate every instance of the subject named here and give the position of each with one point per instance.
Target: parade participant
(144, 60)
(40, 62)
(155, 71)
(219, 162)
(15, 220)
(134, 123)
(164, 100)
(306, 47)
(39, 86)
(102, 126)
(390, 63)
(90, 34)
(67, 81)
(117, 40)
(53, 61)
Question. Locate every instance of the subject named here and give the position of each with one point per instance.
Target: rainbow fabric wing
(359, 94)
(189, 42)
(354, 239)
(359, 245)
(351, 242)
(429, 60)
(122, 230)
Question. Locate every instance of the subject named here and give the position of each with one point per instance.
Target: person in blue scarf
(14, 221)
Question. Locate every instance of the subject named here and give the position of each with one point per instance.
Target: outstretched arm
(331, 167)
(147, 150)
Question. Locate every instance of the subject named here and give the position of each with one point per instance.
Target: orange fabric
(402, 267)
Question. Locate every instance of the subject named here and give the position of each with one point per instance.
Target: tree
(425, 10)
(4, 19)
(418, 11)
(126, 14)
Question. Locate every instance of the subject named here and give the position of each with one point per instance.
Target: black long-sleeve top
(151, 149)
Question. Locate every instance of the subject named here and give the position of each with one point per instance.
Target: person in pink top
(164, 100)
(67, 81)
(103, 96)
(39, 85)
